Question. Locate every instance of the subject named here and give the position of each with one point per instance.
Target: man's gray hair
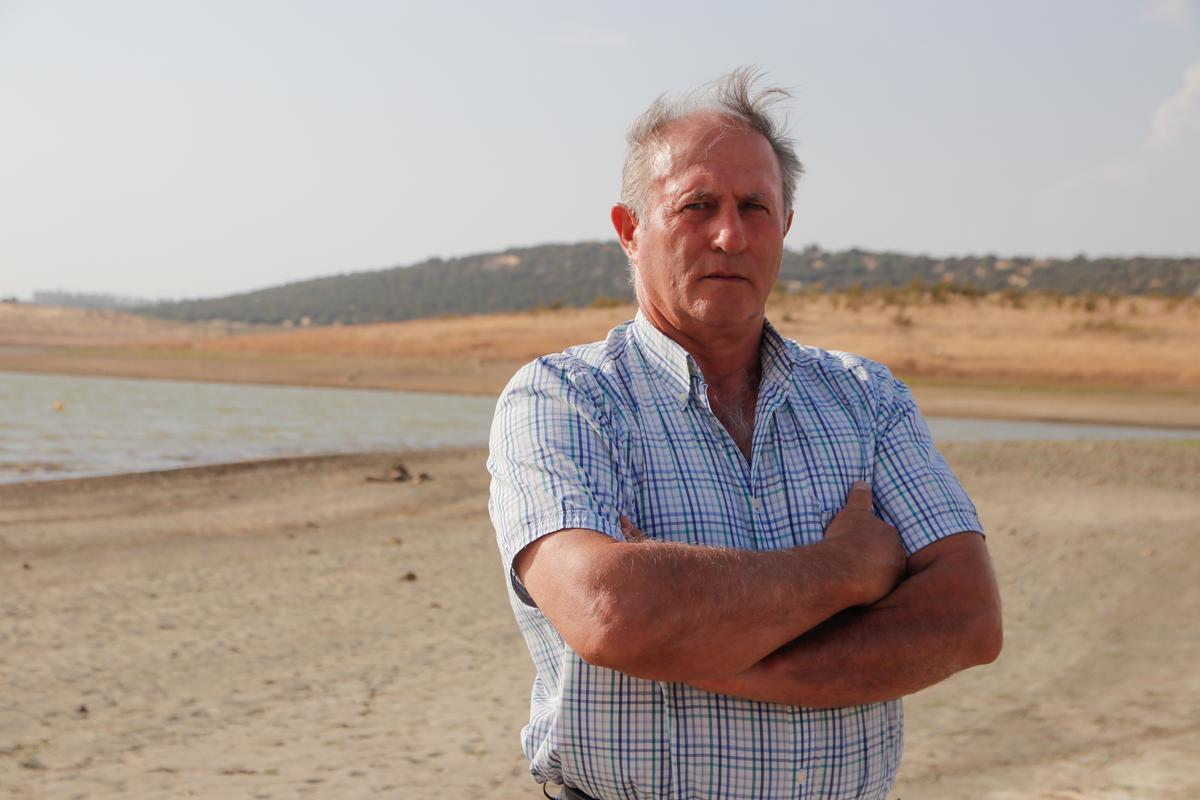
(733, 96)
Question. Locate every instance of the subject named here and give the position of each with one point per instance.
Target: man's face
(708, 244)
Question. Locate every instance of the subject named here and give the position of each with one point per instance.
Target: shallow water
(956, 429)
(58, 426)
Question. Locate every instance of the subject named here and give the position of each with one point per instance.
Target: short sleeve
(550, 459)
(914, 489)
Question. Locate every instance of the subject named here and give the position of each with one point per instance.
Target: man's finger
(631, 533)
(859, 497)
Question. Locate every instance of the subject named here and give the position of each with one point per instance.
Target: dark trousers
(573, 794)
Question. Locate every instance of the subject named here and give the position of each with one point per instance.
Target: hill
(596, 273)
(517, 279)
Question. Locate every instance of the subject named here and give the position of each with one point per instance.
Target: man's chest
(684, 478)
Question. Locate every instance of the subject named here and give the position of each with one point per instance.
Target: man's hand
(870, 545)
(942, 618)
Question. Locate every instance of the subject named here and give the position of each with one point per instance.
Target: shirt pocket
(818, 465)
(807, 517)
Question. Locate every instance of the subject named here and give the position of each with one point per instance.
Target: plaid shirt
(624, 427)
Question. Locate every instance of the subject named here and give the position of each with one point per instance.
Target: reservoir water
(56, 426)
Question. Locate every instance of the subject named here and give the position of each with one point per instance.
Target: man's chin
(726, 315)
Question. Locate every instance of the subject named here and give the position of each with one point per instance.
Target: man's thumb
(859, 497)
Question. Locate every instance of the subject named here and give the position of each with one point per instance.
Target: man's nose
(728, 234)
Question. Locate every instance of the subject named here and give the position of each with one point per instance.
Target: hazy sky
(197, 148)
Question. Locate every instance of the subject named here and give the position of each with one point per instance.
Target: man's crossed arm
(839, 622)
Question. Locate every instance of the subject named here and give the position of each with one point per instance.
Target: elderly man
(729, 554)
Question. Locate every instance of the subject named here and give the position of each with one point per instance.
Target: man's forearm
(686, 613)
(938, 621)
(679, 612)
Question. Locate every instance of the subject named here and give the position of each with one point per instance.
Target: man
(685, 510)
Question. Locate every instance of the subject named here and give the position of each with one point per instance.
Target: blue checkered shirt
(624, 427)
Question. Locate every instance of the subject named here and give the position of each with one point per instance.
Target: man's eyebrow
(755, 197)
(693, 195)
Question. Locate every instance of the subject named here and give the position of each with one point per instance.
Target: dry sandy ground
(1135, 362)
(289, 629)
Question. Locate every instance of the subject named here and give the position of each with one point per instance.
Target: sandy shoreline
(1136, 362)
(288, 628)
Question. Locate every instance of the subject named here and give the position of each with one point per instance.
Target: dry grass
(994, 338)
(495, 337)
(1030, 340)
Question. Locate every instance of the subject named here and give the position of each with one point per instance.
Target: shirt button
(801, 775)
(756, 503)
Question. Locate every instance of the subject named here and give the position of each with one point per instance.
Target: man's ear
(788, 225)
(626, 225)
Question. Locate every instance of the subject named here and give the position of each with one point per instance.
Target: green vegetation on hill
(88, 300)
(989, 273)
(569, 275)
(596, 273)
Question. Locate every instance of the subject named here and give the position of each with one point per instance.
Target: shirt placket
(672, 779)
(769, 400)
(732, 452)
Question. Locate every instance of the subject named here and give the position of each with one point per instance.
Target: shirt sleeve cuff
(939, 526)
(553, 523)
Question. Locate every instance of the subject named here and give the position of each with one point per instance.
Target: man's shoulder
(849, 378)
(582, 366)
(809, 362)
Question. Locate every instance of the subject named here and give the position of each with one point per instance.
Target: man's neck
(727, 356)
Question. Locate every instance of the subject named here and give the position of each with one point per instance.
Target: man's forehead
(702, 129)
(687, 144)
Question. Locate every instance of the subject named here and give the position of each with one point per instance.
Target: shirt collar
(667, 357)
(678, 367)
(778, 356)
